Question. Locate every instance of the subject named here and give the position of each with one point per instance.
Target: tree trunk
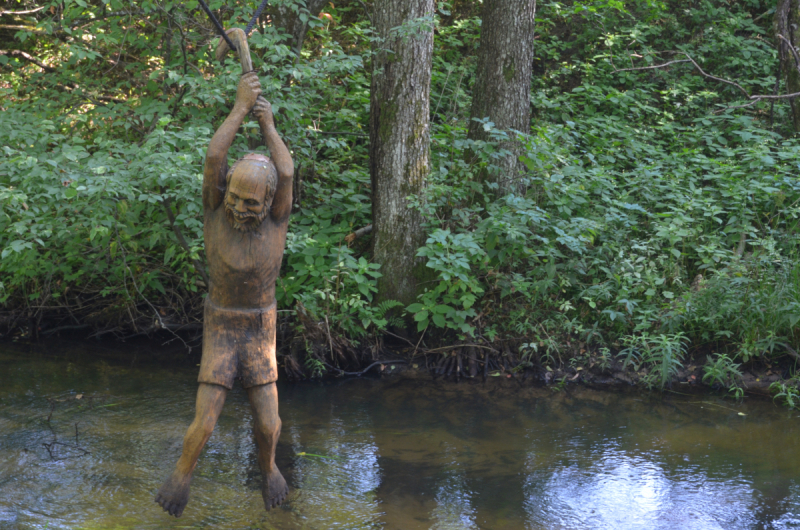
(787, 24)
(503, 80)
(400, 141)
(288, 19)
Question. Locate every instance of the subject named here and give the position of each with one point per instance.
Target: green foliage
(722, 371)
(756, 300)
(316, 368)
(652, 212)
(660, 355)
(320, 270)
(786, 392)
(85, 185)
(648, 209)
(72, 211)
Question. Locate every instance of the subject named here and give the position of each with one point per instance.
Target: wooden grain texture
(238, 37)
(246, 215)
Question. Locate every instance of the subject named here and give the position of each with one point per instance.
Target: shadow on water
(390, 454)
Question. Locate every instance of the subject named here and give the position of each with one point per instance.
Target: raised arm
(282, 202)
(217, 155)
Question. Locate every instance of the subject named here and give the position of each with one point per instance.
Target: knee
(268, 426)
(208, 425)
(204, 425)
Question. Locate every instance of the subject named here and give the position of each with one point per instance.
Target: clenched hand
(263, 112)
(248, 91)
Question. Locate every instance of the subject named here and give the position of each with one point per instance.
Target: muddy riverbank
(589, 369)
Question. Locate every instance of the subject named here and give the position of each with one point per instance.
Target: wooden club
(238, 37)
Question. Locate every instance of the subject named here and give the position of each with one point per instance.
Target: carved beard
(248, 221)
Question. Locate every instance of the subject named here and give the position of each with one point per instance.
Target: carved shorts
(238, 343)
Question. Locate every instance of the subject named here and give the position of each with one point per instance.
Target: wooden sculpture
(246, 214)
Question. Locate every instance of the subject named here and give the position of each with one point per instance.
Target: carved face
(246, 197)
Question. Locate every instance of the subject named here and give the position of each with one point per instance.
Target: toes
(278, 499)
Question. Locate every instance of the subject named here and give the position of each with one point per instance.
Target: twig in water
(720, 406)
(51, 447)
(365, 370)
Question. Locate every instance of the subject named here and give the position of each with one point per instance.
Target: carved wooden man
(247, 210)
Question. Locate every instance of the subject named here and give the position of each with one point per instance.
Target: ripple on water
(390, 454)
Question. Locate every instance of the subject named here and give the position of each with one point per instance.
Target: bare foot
(274, 490)
(174, 494)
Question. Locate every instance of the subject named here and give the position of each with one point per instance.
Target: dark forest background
(645, 210)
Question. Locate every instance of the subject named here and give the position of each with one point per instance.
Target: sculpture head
(251, 183)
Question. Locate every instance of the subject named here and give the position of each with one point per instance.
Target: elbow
(284, 167)
(214, 157)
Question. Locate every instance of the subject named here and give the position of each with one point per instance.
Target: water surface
(387, 454)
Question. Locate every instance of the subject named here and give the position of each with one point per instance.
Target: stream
(86, 440)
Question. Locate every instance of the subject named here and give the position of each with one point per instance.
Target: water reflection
(624, 492)
(394, 454)
(454, 508)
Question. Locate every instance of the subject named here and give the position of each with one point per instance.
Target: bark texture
(787, 24)
(503, 79)
(288, 19)
(400, 141)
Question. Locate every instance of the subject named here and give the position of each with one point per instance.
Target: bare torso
(243, 266)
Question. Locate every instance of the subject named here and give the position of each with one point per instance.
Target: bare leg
(174, 494)
(267, 427)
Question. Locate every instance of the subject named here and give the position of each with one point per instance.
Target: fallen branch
(27, 57)
(189, 326)
(349, 238)
(365, 370)
(50, 70)
(76, 327)
(341, 133)
(755, 98)
(446, 348)
(25, 12)
(78, 21)
(30, 29)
